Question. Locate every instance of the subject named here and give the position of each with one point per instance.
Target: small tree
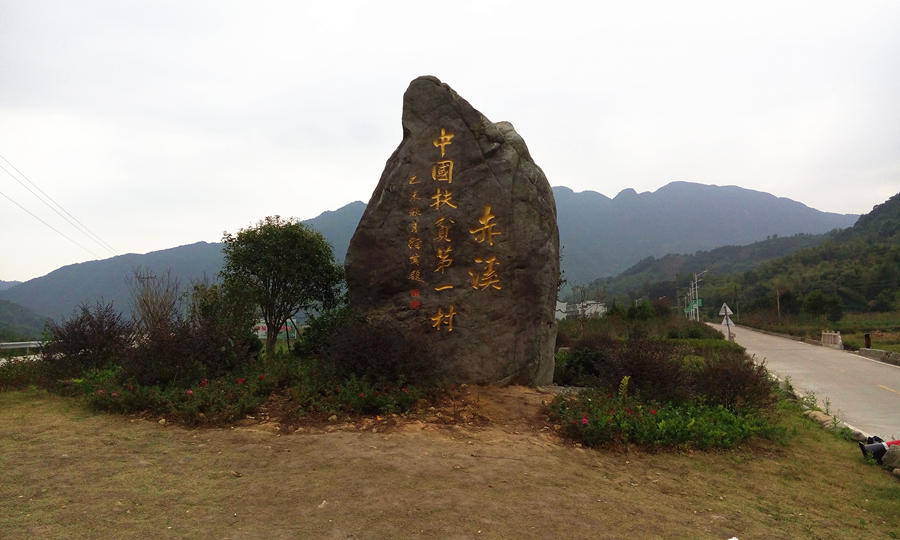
(285, 266)
(154, 298)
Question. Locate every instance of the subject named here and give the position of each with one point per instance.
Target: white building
(584, 310)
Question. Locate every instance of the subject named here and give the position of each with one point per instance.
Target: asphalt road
(862, 392)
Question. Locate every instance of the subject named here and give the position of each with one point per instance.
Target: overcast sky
(159, 124)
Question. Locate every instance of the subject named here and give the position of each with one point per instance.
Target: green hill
(657, 277)
(860, 267)
(18, 323)
(57, 294)
(855, 270)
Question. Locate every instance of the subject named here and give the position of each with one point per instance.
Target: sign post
(726, 311)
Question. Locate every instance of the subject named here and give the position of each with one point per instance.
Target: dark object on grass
(876, 447)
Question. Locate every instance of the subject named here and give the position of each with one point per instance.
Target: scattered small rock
(819, 417)
(162, 421)
(897, 472)
(332, 418)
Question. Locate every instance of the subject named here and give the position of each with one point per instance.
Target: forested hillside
(822, 276)
(7, 284)
(857, 270)
(19, 323)
(658, 275)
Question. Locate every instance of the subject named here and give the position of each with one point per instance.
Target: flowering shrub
(598, 418)
(233, 397)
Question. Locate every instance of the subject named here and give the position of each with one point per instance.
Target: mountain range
(599, 237)
(603, 236)
(7, 284)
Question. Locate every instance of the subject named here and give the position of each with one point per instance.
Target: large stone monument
(459, 245)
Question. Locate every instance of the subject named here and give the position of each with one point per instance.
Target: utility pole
(778, 302)
(676, 292)
(695, 296)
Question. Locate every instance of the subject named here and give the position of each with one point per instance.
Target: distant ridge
(600, 237)
(603, 236)
(58, 293)
(656, 276)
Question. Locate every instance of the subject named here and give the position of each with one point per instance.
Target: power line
(81, 227)
(51, 226)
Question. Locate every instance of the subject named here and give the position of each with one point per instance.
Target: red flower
(652, 411)
(100, 392)
(191, 392)
(362, 395)
(203, 382)
(584, 420)
(260, 376)
(115, 394)
(240, 381)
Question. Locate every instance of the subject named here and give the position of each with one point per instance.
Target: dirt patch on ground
(513, 409)
(486, 463)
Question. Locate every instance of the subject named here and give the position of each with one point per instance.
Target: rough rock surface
(459, 244)
(891, 458)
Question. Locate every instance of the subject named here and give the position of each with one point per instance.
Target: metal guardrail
(20, 345)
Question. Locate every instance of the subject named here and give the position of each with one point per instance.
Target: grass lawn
(73, 474)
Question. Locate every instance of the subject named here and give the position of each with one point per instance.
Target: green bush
(375, 351)
(685, 329)
(599, 418)
(668, 370)
(732, 380)
(214, 341)
(655, 367)
(320, 329)
(302, 384)
(19, 373)
(163, 355)
(218, 400)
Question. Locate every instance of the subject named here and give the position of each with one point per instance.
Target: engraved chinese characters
(438, 209)
(458, 246)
